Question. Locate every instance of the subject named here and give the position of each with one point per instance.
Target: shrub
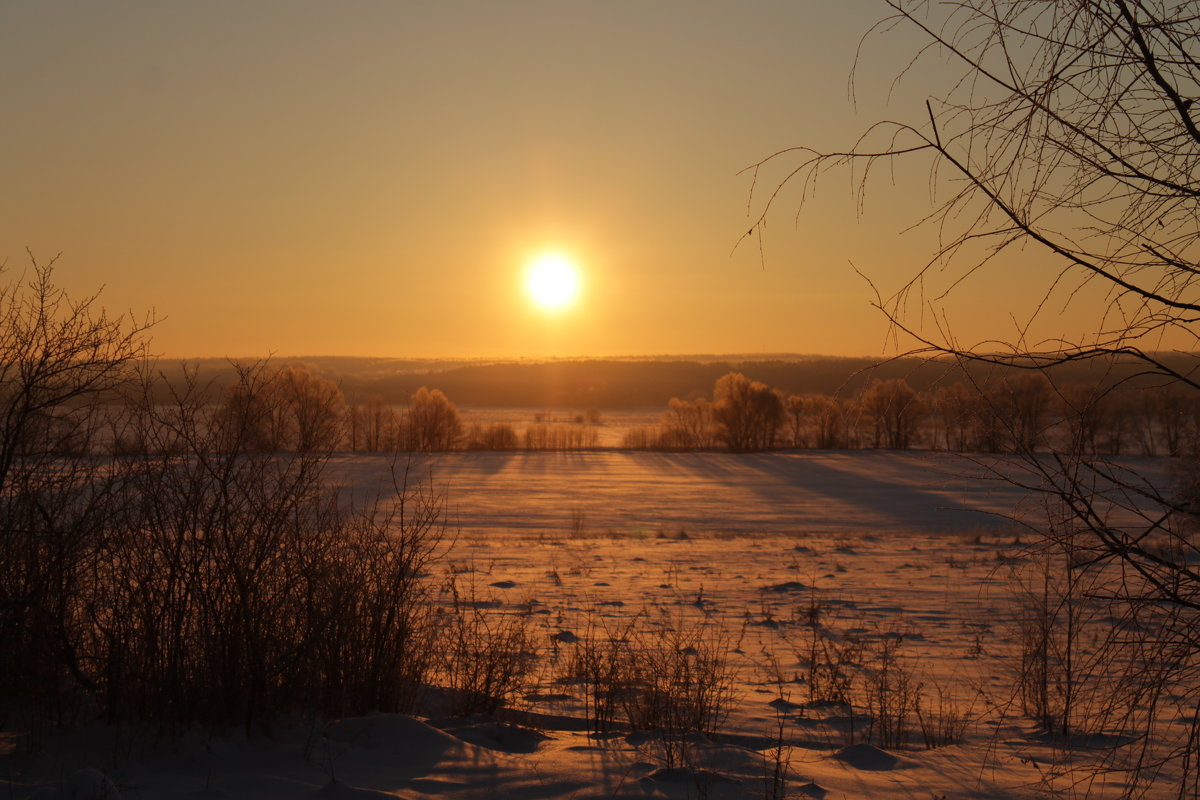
(61, 359)
(672, 681)
(484, 656)
(497, 436)
(224, 585)
(560, 437)
(891, 694)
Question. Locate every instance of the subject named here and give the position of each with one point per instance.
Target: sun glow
(552, 281)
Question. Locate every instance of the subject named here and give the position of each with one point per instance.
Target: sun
(552, 281)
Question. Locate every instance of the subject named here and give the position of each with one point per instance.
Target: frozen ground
(884, 546)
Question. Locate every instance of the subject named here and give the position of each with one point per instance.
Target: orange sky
(369, 178)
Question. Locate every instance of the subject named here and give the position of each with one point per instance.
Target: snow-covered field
(639, 494)
(877, 547)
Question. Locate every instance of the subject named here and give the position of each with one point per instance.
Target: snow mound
(786, 586)
(499, 736)
(408, 740)
(867, 757)
(336, 790)
(687, 775)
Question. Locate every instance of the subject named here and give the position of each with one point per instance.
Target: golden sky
(371, 178)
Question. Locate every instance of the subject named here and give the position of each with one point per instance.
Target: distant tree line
(290, 409)
(1023, 412)
(294, 410)
(642, 383)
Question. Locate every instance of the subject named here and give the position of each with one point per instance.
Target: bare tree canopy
(748, 413)
(1071, 129)
(1070, 133)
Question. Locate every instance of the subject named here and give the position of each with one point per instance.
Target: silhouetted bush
(497, 436)
(60, 360)
(484, 656)
(234, 585)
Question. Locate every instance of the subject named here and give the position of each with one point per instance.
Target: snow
(880, 545)
(631, 492)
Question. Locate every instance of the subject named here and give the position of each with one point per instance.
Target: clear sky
(372, 178)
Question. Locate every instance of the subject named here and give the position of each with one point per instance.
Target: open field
(752, 561)
(642, 494)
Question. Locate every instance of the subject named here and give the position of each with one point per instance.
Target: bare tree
(954, 407)
(688, 425)
(748, 413)
(797, 409)
(1071, 131)
(270, 410)
(1168, 418)
(1023, 403)
(373, 426)
(61, 360)
(829, 422)
(1085, 410)
(314, 406)
(895, 413)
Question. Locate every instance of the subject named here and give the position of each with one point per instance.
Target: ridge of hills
(644, 382)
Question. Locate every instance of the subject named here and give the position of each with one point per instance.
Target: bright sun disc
(552, 281)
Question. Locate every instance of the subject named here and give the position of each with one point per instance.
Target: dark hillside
(633, 382)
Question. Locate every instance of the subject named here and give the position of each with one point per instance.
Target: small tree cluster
(372, 426)
(895, 412)
(282, 409)
(744, 416)
(748, 414)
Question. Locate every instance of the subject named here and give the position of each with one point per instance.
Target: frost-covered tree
(748, 413)
(431, 422)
